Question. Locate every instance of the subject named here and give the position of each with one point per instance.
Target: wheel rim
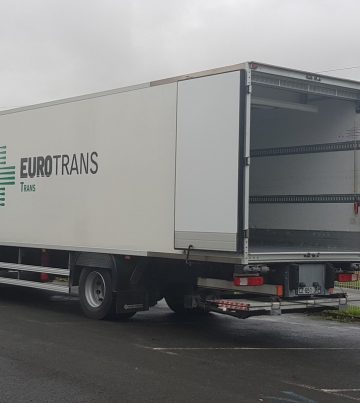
(95, 289)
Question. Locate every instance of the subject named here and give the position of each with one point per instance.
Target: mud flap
(131, 301)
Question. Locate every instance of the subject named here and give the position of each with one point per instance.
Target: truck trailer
(234, 190)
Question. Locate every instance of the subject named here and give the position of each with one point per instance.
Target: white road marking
(333, 392)
(340, 394)
(340, 390)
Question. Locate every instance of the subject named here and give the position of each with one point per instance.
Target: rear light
(346, 277)
(252, 281)
(44, 277)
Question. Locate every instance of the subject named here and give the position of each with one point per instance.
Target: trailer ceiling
(305, 87)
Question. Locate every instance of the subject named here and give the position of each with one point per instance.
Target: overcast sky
(52, 49)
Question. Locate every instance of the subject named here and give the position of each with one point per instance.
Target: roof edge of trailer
(304, 75)
(203, 73)
(253, 66)
(75, 99)
(267, 69)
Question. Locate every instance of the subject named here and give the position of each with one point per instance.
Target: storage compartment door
(207, 163)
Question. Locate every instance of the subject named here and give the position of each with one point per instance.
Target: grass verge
(350, 314)
(355, 285)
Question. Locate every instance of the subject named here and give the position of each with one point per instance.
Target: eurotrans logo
(7, 175)
(33, 169)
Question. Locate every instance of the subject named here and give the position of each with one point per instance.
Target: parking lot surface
(49, 352)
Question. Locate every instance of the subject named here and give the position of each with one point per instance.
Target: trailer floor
(50, 353)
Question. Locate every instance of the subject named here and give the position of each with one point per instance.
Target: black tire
(95, 291)
(176, 303)
(174, 298)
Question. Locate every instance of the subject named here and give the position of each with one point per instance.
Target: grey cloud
(58, 48)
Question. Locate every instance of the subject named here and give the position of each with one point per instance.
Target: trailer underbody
(189, 287)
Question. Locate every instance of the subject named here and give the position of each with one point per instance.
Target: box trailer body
(117, 187)
(249, 173)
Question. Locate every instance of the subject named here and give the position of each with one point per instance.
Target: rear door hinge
(249, 89)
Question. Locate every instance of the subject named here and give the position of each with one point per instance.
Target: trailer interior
(304, 171)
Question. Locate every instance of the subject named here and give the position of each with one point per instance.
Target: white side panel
(207, 158)
(127, 205)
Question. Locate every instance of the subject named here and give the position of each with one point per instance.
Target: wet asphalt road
(49, 352)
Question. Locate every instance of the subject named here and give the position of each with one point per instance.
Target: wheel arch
(96, 261)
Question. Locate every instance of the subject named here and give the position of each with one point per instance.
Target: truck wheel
(176, 304)
(175, 301)
(95, 290)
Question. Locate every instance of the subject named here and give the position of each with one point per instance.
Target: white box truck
(234, 190)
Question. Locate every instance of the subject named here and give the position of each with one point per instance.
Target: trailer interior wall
(304, 175)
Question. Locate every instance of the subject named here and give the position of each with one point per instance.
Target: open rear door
(209, 164)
